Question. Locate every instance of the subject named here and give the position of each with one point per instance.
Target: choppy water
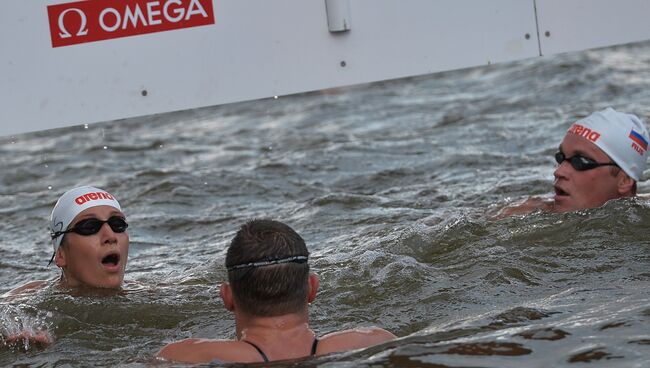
(392, 186)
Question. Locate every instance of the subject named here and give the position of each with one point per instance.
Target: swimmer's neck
(83, 289)
(263, 328)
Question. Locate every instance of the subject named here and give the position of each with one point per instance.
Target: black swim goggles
(580, 162)
(92, 226)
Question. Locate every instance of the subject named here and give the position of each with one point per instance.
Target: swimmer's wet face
(601, 139)
(98, 258)
(593, 185)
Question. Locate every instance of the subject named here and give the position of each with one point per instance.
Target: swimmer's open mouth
(560, 192)
(111, 260)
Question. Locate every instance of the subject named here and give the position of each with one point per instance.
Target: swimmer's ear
(59, 257)
(226, 295)
(314, 283)
(625, 185)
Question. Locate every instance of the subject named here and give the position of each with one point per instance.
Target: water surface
(391, 184)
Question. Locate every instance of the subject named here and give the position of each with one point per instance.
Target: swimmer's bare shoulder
(357, 338)
(205, 350)
(528, 206)
(27, 288)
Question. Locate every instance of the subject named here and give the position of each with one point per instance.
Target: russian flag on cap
(638, 138)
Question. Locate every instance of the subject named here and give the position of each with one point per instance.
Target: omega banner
(92, 20)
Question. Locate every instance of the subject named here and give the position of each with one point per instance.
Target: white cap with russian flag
(623, 137)
(72, 202)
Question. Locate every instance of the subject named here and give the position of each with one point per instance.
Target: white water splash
(23, 328)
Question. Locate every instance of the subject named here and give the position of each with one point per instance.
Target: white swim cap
(623, 137)
(72, 202)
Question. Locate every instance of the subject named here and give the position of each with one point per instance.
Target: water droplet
(85, 126)
(205, 183)
(161, 146)
(49, 187)
(105, 147)
(276, 97)
(46, 165)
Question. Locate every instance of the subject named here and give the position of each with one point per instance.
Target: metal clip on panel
(338, 15)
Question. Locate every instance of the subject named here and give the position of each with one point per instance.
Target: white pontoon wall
(263, 48)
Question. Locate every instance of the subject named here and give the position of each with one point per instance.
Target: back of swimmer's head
(72, 203)
(268, 269)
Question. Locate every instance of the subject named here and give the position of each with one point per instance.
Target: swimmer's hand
(26, 340)
(528, 206)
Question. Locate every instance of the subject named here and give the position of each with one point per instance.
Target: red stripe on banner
(96, 20)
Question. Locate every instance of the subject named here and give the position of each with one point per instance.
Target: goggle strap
(270, 262)
(56, 234)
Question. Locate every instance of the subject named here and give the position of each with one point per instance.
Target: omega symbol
(83, 30)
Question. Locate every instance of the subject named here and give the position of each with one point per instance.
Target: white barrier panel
(568, 25)
(254, 49)
(155, 56)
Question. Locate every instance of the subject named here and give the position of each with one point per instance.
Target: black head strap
(269, 262)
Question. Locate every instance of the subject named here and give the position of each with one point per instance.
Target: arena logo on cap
(639, 143)
(587, 133)
(90, 21)
(92, 197)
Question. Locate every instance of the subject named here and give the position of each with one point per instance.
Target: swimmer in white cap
(91, 246)
(89, 239)
(602, 157)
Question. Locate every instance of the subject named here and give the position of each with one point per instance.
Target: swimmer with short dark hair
(269, 289)
(602, 157)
